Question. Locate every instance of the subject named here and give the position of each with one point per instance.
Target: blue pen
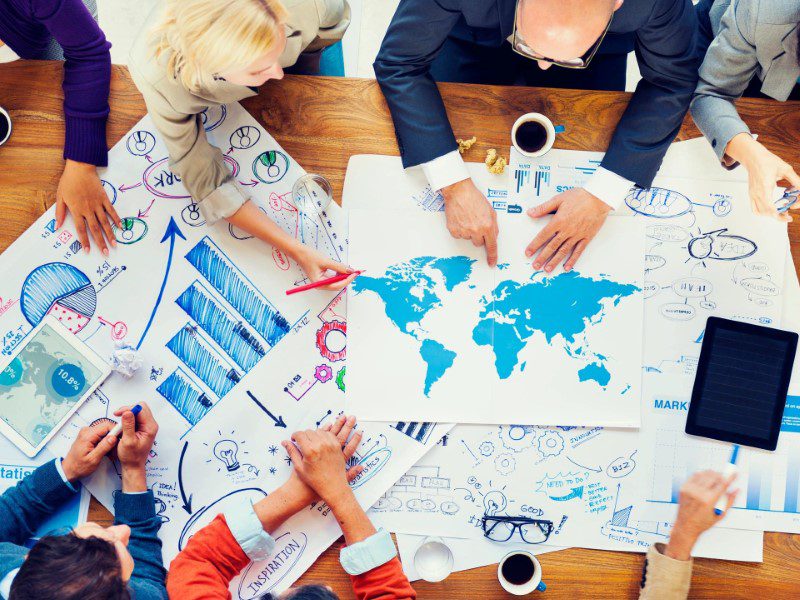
(730, 469)
(787, 196)
(118, 427)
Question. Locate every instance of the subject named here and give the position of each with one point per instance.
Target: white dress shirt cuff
(368, 554)
(445, 170)
(245, 526)
(60, 470)
(609, 187)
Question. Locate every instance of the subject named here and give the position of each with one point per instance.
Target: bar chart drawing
(181, 393)
(417, 431)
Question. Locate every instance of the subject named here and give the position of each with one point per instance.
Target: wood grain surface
(323, 121)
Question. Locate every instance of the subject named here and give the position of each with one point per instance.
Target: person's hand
(579, 216)
(81, 192)
(133, 450)
(319, 459)
(87, 451)
(471, 217)
(696, 513)
(764, 171)
(317, 266)
(297, 489)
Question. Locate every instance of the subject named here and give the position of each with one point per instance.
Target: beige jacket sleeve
(199, 165)
(665, 578)
(313, 25)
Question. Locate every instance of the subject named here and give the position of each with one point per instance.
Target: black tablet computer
(742, 379)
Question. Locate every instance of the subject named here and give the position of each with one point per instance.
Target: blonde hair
(206, 37)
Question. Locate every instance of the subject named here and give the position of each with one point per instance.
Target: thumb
(294, 454)
(336, 266)
(545, 208)
(128, 425)
(792, 177)
(354, 472)
(61, 212)
(102, 448)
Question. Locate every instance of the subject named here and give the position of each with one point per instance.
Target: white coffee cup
(433, 560)
(533, 584)
(7, 118)
(550, 129)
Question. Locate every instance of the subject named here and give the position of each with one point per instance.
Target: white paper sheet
(590, 483)
(231, 364)
(768, 482)
(457, 344)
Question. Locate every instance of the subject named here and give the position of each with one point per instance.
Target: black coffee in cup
(531, 136)
(5, 126)
(518, 569)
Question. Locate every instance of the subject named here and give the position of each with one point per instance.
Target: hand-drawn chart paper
(707, 253)
(206, 307)
(588, 482)
(447, 338)
(769, 482)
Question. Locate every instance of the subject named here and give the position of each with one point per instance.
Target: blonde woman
(195, 54)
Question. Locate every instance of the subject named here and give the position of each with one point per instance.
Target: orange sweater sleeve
(205, 567)
(387, 582)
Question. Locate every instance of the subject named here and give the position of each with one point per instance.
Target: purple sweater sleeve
(87, 76)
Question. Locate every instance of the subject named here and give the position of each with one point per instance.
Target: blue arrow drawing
(577, 492)
(170, 234)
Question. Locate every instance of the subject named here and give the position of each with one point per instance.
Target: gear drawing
(323, 373)
(516, 437)
(322, 335)
(505, 464)
(550, 443)
(340, 378)
(486, 448)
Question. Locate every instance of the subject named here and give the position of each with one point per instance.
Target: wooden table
(322, 122)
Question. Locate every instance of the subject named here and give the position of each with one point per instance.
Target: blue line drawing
(110, 190)
(60, 289)
(213, 264)
(179, 390)
(720, 245)
(196, 352)
(133, 230)
(245, 137)
(170, 234)
(140, 143)
(410, 429)
(231, 335)
(213, 116)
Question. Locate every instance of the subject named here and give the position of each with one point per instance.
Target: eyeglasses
(522, 48)
(502, 528)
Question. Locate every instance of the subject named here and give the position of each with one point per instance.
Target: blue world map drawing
(561, 308)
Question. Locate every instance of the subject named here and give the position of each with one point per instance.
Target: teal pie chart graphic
(60, 290)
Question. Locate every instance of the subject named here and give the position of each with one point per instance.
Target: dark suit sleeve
(415, 36)
(665, 49)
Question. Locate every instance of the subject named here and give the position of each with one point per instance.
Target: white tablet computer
(49, 376)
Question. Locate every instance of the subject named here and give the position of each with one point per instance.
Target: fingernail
(528, 253)
(548, 269)
(105, 251)
(86, 249)
(536, 265)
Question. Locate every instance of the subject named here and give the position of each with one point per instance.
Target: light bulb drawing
(226, 451)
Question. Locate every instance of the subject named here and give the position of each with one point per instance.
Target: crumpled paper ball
(125, 360)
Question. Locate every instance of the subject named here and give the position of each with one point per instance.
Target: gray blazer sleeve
(729, 65)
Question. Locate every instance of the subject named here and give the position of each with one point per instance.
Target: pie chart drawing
(61, 290)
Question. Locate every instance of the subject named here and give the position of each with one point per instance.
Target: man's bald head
(563, 29)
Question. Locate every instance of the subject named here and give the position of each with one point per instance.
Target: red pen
(321, 282)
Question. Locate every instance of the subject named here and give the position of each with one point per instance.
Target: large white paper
(590, 483)
(461, 341)
(231, 364)
(768, 482)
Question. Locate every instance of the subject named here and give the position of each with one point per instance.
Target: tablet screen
(741, 383)
(42, 384)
